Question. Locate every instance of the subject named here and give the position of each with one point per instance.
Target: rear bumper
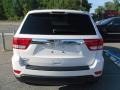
(97, 66)
(67, 76)
(55, 80)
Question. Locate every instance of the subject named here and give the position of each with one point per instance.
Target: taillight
(94, 44)
(21, 43)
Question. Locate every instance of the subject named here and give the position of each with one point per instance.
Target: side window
(116, 22)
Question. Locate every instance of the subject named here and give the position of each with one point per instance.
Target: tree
(15, 9)
(109, 6)
(99, 11)
(2, 15)
(85, 5)
(8, 8)
(27, 5)
(64, 4)
(117, 4)
(12, 9)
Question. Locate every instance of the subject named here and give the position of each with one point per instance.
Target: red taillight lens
(17, 71)
(21, 43)
(94, 44)
(98, 72)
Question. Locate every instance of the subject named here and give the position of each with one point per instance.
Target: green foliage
(117, 4)
(16, 9)
(99, 10)
(28, 5)
(2, 15)
(59, 4)
(65, 4)
(12, 9)
(85, 5)
(111, 5)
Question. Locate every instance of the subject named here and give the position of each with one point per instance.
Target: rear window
(58, 24)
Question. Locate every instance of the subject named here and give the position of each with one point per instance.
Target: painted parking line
(113, 56)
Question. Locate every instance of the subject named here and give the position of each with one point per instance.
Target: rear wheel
(94, 80)
(19, 79)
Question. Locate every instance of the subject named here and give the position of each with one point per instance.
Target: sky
(96, 3)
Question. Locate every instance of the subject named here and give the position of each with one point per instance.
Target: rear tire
(94, 80)
(18, 78)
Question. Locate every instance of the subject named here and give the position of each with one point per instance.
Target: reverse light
(21, 43)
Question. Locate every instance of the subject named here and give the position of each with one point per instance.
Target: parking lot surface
(109, 81)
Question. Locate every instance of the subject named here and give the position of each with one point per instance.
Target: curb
(113, 57)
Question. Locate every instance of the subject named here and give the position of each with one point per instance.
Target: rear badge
(55, 62)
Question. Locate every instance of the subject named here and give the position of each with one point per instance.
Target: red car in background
(110, 13)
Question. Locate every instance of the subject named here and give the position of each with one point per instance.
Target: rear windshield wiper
(64, 31)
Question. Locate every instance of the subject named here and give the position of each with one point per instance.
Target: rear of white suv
(57, 45)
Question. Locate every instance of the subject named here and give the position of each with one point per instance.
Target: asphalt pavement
(109, 81)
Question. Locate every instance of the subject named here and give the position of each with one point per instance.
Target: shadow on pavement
(113, 49)
(109, 81)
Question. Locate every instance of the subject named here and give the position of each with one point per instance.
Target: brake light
(21, 43)
(94, 44)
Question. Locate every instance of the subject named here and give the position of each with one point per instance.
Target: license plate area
(60, 47)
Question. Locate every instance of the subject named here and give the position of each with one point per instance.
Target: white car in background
(57, 46)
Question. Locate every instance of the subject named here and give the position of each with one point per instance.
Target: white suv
(57, 45)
